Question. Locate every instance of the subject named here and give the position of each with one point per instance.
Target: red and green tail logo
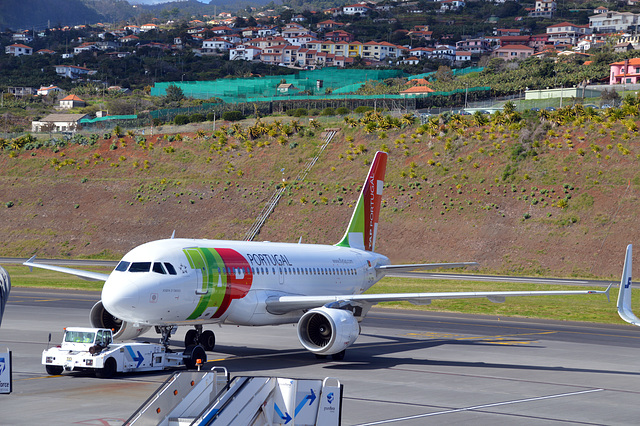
(363, 227)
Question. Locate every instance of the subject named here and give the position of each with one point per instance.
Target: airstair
(211, 398)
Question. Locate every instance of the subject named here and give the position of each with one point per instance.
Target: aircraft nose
(120, 298)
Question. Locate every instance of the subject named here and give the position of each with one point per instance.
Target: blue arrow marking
(138, 358)
(310, 398)
(286, 417)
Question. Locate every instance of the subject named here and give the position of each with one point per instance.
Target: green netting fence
(312, 83)
(267, 105)
(456, 72)
(107, 118)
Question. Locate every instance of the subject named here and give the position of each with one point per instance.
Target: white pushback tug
(93, 349)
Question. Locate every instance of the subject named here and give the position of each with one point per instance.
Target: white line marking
(477, 407)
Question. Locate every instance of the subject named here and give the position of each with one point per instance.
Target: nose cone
(121, 298)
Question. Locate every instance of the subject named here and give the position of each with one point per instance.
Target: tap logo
(330, 397)
(3, 365)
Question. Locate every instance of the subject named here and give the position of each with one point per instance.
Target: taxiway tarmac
(407, 368)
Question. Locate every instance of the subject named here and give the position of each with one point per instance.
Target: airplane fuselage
(195, 281)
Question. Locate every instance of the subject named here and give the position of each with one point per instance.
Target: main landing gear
(197, 336)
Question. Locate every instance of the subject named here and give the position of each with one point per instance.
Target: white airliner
(174, 282)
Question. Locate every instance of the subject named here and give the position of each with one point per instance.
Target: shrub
(211, 116)
(363, 109)
(232, 116)
(342, 111)
(180, 119)
(328, 111)
(196, 118)
(300, 112)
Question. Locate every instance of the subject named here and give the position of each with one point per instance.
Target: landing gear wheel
(339, 356)
(191, 356)
(108, 370)
(191, 338)
(208, 340)
(54, 370)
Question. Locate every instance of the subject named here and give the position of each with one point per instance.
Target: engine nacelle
(122, 330)
(327, 331)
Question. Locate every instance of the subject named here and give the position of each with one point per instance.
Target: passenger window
(122, 266)
(158, 269)
(140, 267)
(170, 268)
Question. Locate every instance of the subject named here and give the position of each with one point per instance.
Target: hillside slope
(525, 197)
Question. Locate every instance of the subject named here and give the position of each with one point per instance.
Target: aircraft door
(201, 286)
(280, 274)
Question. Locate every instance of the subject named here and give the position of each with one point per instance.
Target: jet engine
(122, 330)
(327, 331)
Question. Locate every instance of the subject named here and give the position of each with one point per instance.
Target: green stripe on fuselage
(211, 264)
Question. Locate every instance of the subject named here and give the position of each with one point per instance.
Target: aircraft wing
(284, 304)
(85, 275)
(386, 269)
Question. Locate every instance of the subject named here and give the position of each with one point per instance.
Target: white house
(18, 50)
(613, 21)
(355, 9)
(44, 91)
(72, 71)
(451, 5)
(216, 44)
(244, 52)
(58, 122)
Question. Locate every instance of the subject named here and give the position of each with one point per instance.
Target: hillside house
(72, 101)
(215, 45)
(544, 9)
(72, 71)
(513, 52)
(567, 33)
(627, 72)
(18, 50)
(58, 123)
(355, 9)
(45, 91)
(243, 52)
(612, 22)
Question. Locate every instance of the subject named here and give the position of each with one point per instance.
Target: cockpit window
(122, 266)
(158, 269)
(170, 268)
(140, 267)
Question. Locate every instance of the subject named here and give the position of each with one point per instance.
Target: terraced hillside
(554, 194)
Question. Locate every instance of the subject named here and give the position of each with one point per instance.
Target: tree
(174, 93)
(444, 74)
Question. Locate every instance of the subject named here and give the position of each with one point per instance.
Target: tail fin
(624, 296)
(363, 227)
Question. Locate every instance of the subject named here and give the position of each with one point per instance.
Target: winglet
(28, 262)
(624, 296)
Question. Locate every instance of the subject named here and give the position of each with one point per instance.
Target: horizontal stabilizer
(86, 275)
(624, 296)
